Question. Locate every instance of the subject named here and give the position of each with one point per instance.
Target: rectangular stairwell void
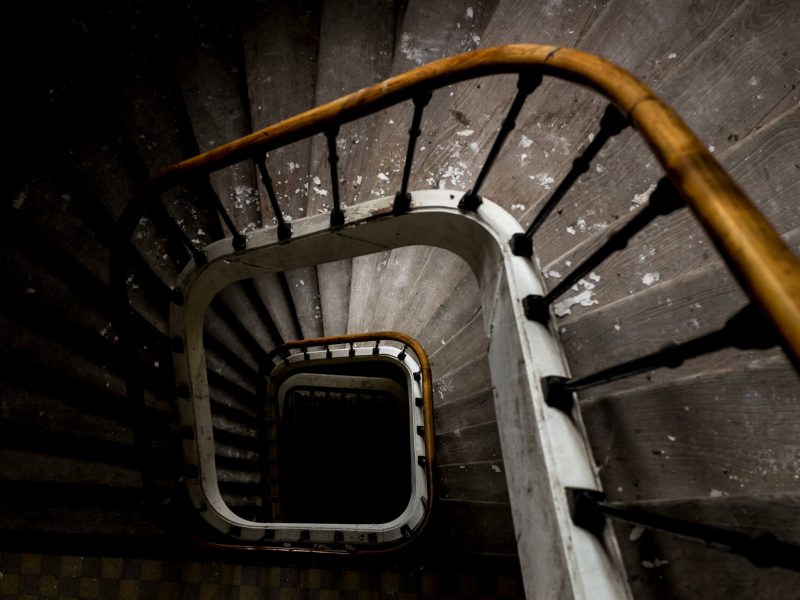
(343, 451)
(322, 447)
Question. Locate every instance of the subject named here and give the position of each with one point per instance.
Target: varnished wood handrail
(762, 263)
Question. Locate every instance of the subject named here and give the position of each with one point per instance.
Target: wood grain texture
(471, 444)
(686, 570)
(677, 310)
(352, 54)
(724, 432)
(481, 482)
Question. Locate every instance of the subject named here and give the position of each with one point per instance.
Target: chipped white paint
(640, 199)
(562, 308)
(470, 12)
(525, 141)
(650, 278)
(672, 56)
(543, 179)
(465, 132)
(383, 177)
(407, 49)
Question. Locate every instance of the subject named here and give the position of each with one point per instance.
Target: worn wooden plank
(677, 310)
(208, 58)
(352, 54)
(281, 43)
(469, 444)
(483, 527)
(694, 45)
(462, 348)
(445, 320)
(763, 163)
(729, 432)
(687, 570)
(481, 482)
(471, 410)
(469, 378)
(418, 43)
(272, 293)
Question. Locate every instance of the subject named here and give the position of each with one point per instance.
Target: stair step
(479, 482)
(727, 432)
(476, 527)
(470, 444)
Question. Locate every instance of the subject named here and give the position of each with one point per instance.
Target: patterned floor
(32, 576)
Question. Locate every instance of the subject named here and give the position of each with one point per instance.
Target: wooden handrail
(762, 263)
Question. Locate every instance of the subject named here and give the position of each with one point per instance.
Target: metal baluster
(664, 200)
(525, 85)
(402, 200)
(239, 241)
(611, 124)
(337, 215)
(746, 330)
(284, 229)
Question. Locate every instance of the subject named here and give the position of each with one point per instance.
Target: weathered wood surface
(470, 410)
(281, 43)
(469, 444)
(687, 570)
(694, 304)
(728, 432)
(464, 380)
(462, 348)
(763, 163)
(479, 481)
(352, 54)
(418, 44)
(483, 527)
(208, 61)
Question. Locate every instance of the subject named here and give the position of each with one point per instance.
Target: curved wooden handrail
(763, 264)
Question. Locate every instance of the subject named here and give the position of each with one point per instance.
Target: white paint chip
(672, 56)
(636, 533)
(470, 12)
(383, 177)
(640, 199)
(496, 469)
(650, 278)
(317, 181)
(517, 207)
(465, 132)
(525, 141)
(563, 307)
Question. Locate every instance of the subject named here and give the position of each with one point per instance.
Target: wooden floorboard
(720, 433)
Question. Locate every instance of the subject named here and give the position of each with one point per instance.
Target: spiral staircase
(96, 445)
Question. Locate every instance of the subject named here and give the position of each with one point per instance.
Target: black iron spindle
(337, 215)
(589, 509)
(284, 229)
(748, 329)
(402, 200)
(526, 84)
(664, 200)
(611, 124)
(239, 240)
